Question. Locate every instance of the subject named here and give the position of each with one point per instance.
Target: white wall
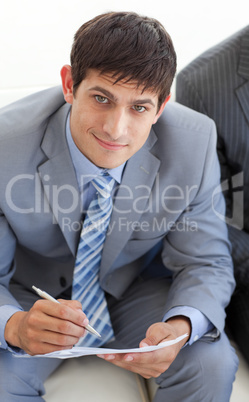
(36, 37)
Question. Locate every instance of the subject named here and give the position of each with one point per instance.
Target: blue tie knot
(104, 184)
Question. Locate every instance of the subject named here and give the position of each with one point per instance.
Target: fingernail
(101, 356)
(128, 358)
(85, 322)
(144, 344)
(110, 357)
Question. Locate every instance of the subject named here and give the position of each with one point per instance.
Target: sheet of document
(81, 351)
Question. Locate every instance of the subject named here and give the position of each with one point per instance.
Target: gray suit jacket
(217, 84)
(167, 208)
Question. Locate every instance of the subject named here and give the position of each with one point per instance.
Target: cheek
(82, 117)
(81, 127)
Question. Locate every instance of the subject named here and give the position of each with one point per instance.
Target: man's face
(109, 123)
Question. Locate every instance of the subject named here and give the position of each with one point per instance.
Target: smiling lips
(110, 145)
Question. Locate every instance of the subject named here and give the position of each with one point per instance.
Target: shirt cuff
(200, 324)
(6, 312)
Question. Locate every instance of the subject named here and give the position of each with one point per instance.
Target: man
(216, 84)
(164, 268)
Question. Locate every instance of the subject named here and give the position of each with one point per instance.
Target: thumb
(155, 334)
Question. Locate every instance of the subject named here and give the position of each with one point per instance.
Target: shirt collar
(84, 168)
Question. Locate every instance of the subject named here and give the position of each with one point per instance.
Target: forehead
(109, 81)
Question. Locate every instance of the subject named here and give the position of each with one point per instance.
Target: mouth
(113, 146)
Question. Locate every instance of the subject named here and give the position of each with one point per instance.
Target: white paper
(81, 351)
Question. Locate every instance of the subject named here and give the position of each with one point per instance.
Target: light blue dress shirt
(85, 172)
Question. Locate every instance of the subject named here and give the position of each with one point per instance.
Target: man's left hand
(153, 364)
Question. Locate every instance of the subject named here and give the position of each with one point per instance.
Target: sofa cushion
(95, 378)
(101, 381)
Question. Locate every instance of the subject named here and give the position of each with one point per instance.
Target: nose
(116, 124)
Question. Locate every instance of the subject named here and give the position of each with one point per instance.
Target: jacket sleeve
(197, 250)
(8, 304)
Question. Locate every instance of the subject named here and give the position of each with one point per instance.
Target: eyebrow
(115, 99)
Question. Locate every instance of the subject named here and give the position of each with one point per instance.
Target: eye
(101, 99)
(139, 109)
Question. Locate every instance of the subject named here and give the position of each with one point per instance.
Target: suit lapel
(130, 200)
(59, 180)
(243, 70)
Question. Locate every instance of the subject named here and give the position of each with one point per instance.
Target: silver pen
(46, 296)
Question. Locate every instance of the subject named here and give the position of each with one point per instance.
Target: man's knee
(21, 379)
(219, 363)
(204, 371)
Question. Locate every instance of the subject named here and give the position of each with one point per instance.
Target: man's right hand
(47, 327)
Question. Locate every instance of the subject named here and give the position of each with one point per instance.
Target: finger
(157, 333)
(149, 364)
(71, 303)
(41, 348)
(147, 358)
(145, 370)
(62, 311)
(63, 327)
(58, 339)
(136, 358)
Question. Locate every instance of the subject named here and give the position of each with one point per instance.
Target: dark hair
(129, 46)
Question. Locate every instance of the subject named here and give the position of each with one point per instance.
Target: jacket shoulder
(184, 122)
(29, 113)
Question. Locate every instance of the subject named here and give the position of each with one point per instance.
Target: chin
(111, 163)
(108, 166)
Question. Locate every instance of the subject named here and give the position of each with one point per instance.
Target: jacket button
(63, 281)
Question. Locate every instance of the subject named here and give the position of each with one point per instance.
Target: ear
(67, 83)
(161, 108)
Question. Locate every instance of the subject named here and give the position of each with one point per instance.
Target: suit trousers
(202, 372)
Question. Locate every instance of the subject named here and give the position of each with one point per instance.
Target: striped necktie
(86, 287)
